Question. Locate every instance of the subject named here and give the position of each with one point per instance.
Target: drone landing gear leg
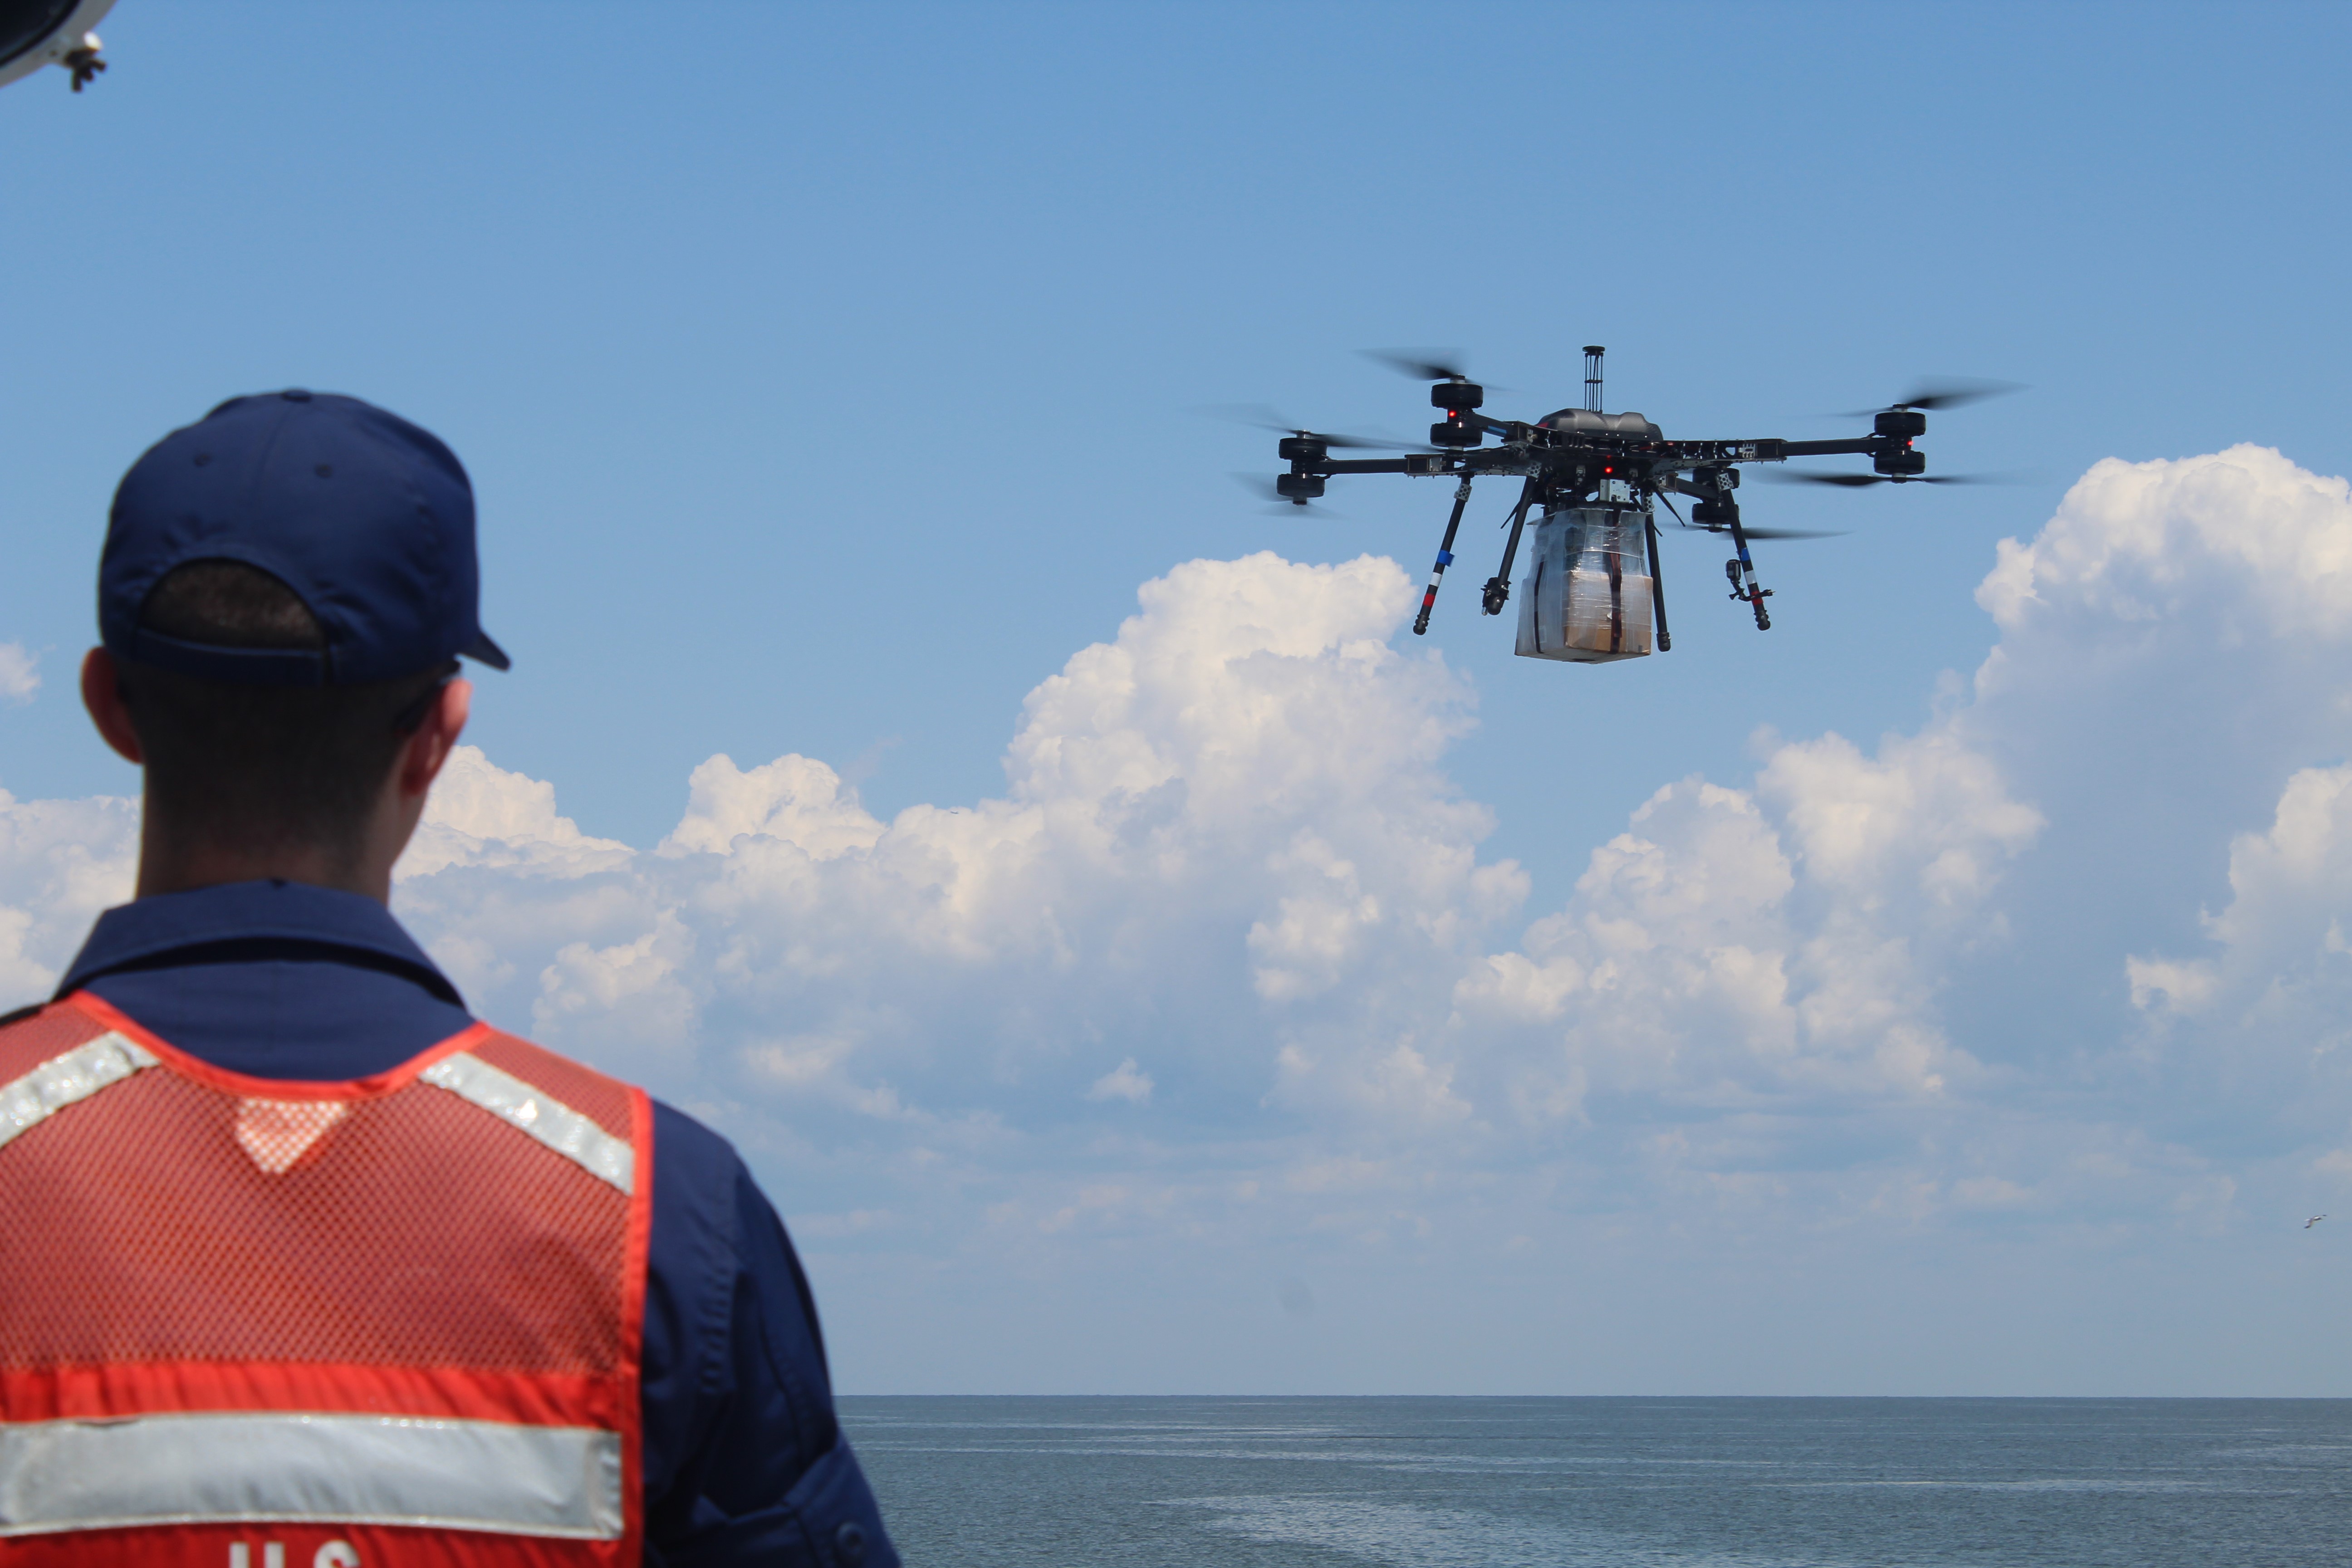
(1445, 559)
(1746, 590)
(1499, 586)
(1658, 588)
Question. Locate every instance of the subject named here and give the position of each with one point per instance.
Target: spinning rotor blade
(1930, 395)
(1265, 418)
(1855, 482)
(1803, 476)
(1721, 531)
(1422, 365)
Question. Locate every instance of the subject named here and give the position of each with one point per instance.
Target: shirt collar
(147, 932)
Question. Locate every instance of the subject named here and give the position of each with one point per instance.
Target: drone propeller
(1428, 364)
(1930, 395)
(1265, 418)
(1771, 533)
(1285, 506)
(1422, 365)
(1855, 482)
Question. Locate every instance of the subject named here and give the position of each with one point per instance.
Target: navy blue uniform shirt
(744, 1462)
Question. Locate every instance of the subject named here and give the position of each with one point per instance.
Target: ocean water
(1611, 1483)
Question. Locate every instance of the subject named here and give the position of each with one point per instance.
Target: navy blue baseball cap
(367, 517)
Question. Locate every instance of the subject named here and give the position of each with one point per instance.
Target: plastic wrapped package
(1586, 596)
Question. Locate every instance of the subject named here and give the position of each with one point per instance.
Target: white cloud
(1774, 946)
(2264, 1014)
(1126, 1081)
(62, 861)
(1224, 832)
(2237, 548)
(801, 801)
(1960, 977)
(481, 814)
(2169, 683)
(635, 990)
(1226, 838)
(19, 673)
(2282, 931)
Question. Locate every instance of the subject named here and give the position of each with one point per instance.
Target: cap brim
(488, 652)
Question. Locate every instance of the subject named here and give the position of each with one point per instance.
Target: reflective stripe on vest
(401, 1314)
(309, 1469)
(69, 1079)
(542, 1116)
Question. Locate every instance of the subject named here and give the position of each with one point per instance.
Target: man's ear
(435, 737)
(102, 693)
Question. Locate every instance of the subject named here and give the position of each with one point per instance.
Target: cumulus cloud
(479, 815)
(2236, 549)
(19, 673)
(2265, 1001)
(1126, 1081)
(1225, 830)
(1227, 838)
(2042, 960)
(2169, 688)
(61, 862)
(1778, 946)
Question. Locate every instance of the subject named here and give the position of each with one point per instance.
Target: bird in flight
(2314, 1219)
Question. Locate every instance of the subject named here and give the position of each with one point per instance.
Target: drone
(1593, 592)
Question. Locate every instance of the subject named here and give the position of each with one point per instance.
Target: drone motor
(1901, 463)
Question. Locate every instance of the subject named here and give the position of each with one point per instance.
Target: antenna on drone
(1592, 352)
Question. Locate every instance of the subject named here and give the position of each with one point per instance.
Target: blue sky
(827, 375)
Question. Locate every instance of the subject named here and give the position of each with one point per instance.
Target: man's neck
(179, 861)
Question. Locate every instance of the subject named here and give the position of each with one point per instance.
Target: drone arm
(1872, 445)
(1445, 559)
(1700, 454)
(1368, 466)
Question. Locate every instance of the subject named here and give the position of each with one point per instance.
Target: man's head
(286, 588)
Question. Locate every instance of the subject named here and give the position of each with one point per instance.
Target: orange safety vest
(246, 1323)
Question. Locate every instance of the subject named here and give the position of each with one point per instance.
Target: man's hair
(261, 767)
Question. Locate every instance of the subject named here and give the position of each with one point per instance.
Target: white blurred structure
(36, 33)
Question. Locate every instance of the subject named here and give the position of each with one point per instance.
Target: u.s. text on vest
(333, 1555)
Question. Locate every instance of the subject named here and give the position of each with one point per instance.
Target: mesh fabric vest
(247, 1323)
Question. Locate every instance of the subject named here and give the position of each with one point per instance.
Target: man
(295, 1257)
